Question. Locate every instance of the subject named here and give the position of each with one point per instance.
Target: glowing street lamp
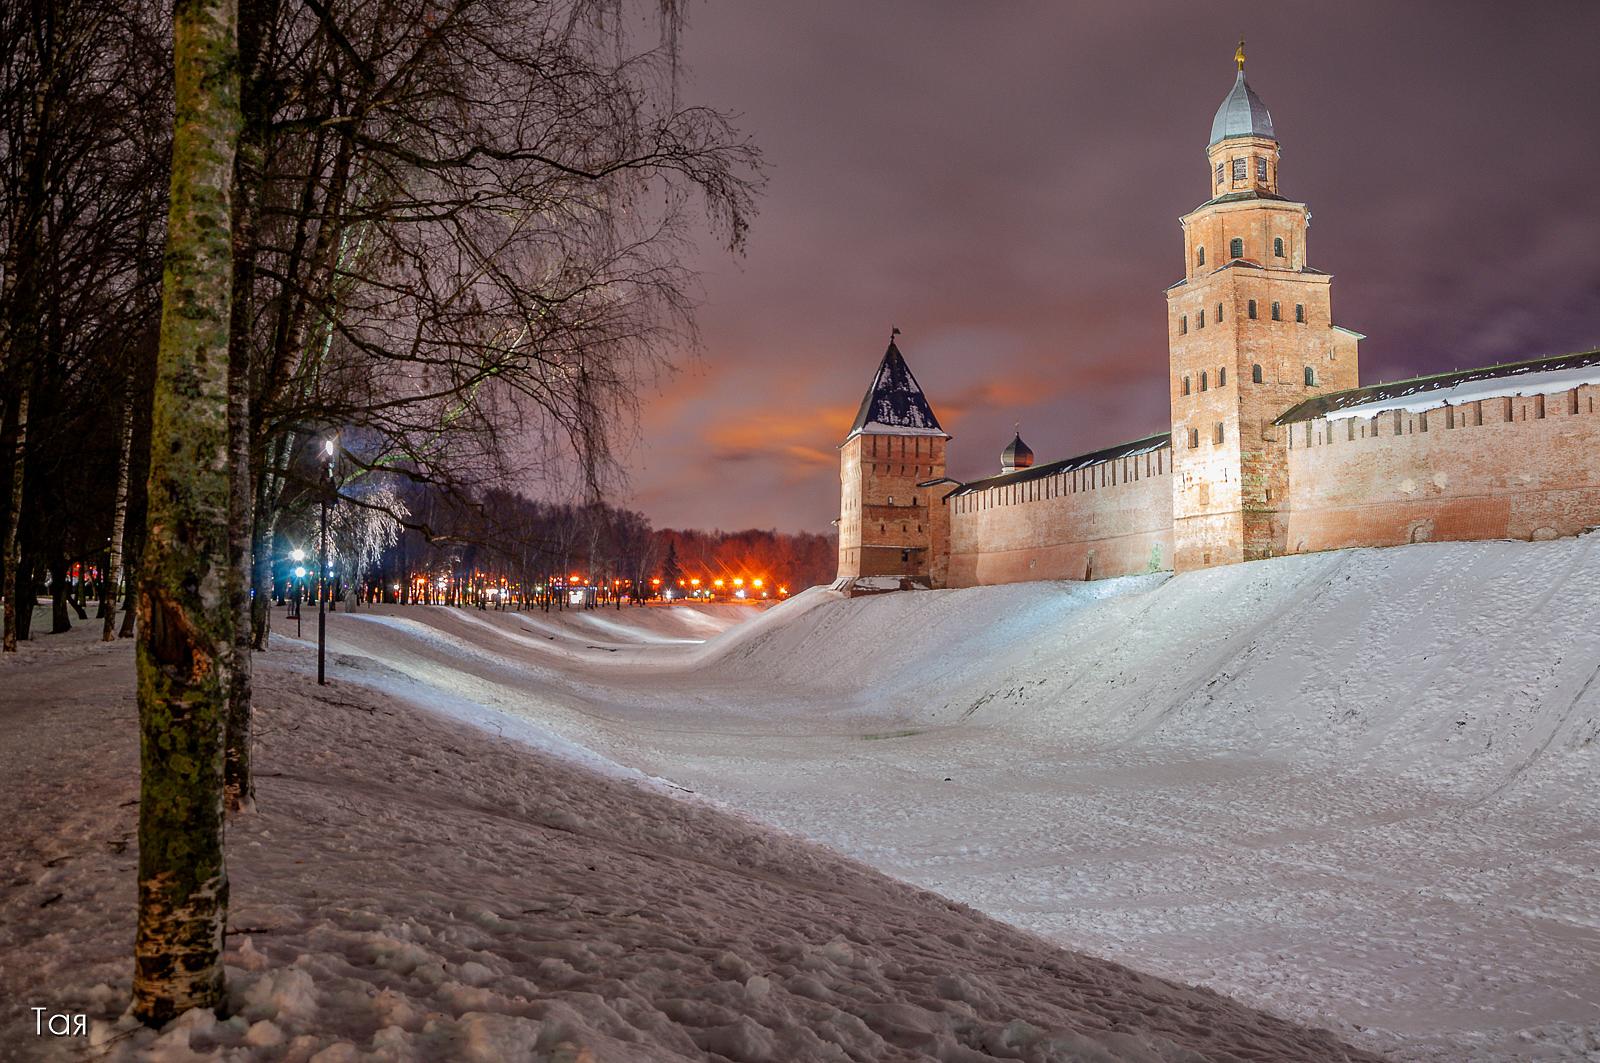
(756, 584)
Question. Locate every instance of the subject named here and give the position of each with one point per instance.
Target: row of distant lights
(757, 586)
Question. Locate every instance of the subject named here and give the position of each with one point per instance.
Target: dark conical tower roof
(895, 404)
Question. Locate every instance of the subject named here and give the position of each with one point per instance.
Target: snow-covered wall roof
(1147, 445)
(1542, 376)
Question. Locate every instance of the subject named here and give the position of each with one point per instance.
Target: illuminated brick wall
(1110, 519)
(1499, 468)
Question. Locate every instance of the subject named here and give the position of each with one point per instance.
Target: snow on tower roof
(895, 404)
(1541, 376)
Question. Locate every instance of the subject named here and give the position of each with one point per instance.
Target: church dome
(1016, 455)
(1242, 114)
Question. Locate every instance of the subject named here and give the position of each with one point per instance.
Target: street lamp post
(322, 572)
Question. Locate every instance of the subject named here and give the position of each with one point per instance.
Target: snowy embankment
(412, 887)
(1356, 788)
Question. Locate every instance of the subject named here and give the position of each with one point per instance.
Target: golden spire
(1238, 56)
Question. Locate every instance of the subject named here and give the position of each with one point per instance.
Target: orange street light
(716, 583)
(738, 582)
(695, 582)
(755, 583)
(656, 582)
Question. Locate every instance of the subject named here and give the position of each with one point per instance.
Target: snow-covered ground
(414, 888)
(1357, 789)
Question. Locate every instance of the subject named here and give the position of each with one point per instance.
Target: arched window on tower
(1277, 246)
(1252, 310)
(1203, 385)
(1186, 385)
(1255, 374)
(1222, 377)
(1311, 377)
(1200, 256)
(1236, 248)
(1183, 325)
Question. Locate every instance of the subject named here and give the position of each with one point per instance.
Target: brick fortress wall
(1497, 468)
(1113, 518)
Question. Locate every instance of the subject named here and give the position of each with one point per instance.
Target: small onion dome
(1016, 456)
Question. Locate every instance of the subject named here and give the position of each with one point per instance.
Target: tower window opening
(1300, 312)
(1203, 385)
(1183, 325)
(1186, 385)
(1222, 377)
(1194, 438)
(1219, 313)
(1311, 377)
(1219, 173)
(1200, 256)
(1236, 248)
(1202, 323)
(1252, 310)
(1277, 247)
(1261, 168)
(1218, 434)
(1239, 169)
(1255, 374)
(1277, 312)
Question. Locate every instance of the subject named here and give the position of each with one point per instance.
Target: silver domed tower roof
(1242, 113)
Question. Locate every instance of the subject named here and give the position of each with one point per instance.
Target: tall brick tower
(889, 526)
(1250, 335)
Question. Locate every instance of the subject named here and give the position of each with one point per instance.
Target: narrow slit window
(1194, 438)
(1277, 312)
(1217, 435)
(1219, 173)
(1277, 247)
(1222, 377)
(1200, 256)
(1219, 313)
(1203, 385)
(1183, 325)
(1261, 168)
(1236, 248)
(1252, 309)
(1300, 312)
(1202, 322)
(1186, 385)
(1255, 374)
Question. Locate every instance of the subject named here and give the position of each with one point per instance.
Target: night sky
(1003, 181)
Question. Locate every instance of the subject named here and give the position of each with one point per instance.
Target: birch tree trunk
(185, 619)
(119, 519)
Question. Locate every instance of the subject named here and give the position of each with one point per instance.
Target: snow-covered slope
(414, 889)
(1356, 788)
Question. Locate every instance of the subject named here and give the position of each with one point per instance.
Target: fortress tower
(1250, 335)
(888, 525)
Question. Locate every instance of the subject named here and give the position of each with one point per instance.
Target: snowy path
(1357, 789)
